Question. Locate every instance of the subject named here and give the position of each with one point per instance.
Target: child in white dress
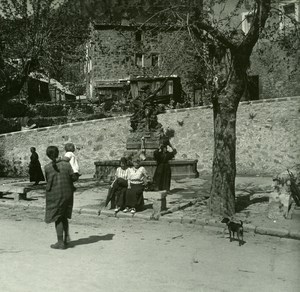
(71, 157)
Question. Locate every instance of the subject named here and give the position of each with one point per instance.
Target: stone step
(18, 192)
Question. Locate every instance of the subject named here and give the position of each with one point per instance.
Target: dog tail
(241, 223)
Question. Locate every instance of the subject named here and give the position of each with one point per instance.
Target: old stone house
(275, 61)
(118, 53)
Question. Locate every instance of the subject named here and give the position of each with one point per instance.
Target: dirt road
(134, 255)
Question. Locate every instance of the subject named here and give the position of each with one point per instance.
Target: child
(70, 156)
(59, 195)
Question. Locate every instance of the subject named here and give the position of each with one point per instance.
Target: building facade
(118, 53)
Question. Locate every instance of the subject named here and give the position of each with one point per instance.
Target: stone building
(275, 61)
(118, 53)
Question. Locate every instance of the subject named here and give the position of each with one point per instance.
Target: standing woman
(162, 174)
(35, 170)
(59, 195)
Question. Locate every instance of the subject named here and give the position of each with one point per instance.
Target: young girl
(59, 195)
(70, 156)
(137, 176)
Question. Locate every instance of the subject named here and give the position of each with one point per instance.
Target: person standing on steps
(59, 195)
(35, 170)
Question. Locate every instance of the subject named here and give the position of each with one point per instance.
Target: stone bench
(18, 192)
(105, 169)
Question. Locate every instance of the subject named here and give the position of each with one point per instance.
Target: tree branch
(261, 14)
(214, 32)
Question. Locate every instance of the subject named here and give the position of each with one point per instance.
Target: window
(290, 12)
(247, 19)
(155, 60)
(170, 87)
(139, 60)
(138, 36)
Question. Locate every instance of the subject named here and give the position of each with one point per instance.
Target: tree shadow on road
(90, 239)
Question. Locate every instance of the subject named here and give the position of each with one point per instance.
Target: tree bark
(222, 196)
(225, 105)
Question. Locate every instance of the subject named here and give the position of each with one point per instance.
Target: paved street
(112, 254)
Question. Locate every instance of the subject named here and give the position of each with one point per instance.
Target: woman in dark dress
(59, 195)
(162, 174)
(117, 190)
(35, 170)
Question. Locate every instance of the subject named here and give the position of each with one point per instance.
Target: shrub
(14, 109)
(9, 125)
(51, 110)
(48, 121)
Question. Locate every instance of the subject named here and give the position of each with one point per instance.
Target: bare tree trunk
(222, 197)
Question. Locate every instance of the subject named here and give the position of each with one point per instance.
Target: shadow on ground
(243, 202)
(90, 239)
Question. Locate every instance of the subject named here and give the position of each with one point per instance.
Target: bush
(48, 121)
(50, 110)
(9, 125)
(14, 109)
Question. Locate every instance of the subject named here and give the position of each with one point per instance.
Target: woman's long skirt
(134, 197)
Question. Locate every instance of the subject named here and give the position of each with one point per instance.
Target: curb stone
(295, 234)
(202, 221)
(209, 224)
(272, 231)
(249, 228)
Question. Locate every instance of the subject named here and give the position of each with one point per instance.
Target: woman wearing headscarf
(35, 170)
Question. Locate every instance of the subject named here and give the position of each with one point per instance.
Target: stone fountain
(146, 135)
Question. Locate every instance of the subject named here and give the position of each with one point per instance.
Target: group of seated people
(126, 191)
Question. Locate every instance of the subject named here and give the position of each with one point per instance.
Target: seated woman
(162, 174)
(117, 190)
(137, 176)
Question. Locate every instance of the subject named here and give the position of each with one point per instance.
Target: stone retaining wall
(268, 138)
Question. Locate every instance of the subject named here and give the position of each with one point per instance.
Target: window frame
(287, 24)
(158, 59)
(142, 60)
(246, 25)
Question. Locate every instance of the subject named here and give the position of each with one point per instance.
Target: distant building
(44, 89)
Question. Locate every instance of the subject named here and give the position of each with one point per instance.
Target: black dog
(235, 227)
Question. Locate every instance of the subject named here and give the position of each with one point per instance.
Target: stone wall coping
(247, 102)
(145, 162)
(65, 125)
(127, 116)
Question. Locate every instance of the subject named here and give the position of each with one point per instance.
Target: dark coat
(59, 191)
(162, 174)
(35, 170)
